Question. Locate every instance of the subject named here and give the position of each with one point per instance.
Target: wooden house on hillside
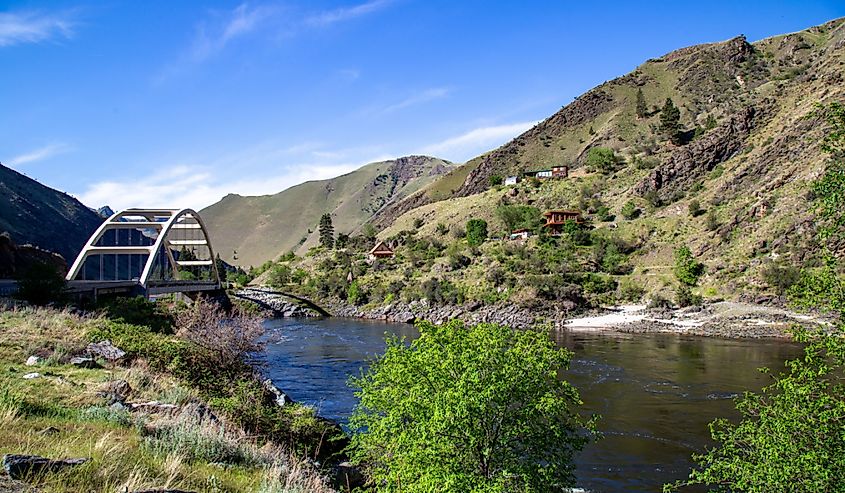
(381, 250)
(557, 218)
(555, 172)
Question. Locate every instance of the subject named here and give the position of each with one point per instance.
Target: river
(656, 393)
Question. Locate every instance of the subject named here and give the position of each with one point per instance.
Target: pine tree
(670, 122)
(642, 107)
(326, 231)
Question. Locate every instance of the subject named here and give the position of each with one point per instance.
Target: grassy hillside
(734, 187)
(752, 150)
(33, 213)
(261, 228)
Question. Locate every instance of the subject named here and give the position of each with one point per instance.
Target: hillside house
(511, 180)
(557, 218)
(381, 250)
(554, 172)
(520, 234)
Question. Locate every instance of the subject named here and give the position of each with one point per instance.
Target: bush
(603, 160)
(630, 290)
(658, 302)
(432, 404)
(139, 311)
(711, 222)
(476, 231)
(279, 275)
(630, 211)
(442, 229)
(598, 283)
(781, 277)
(496, 180)
(694, 208)
(687, 269)
(685, 297)
(354, 294)
(519, 216)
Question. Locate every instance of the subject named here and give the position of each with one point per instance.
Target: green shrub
(139, 311)
(279, 275)
(354, 294)
(476, 231)
(711, 222)
(496, 180)
(603, 159)
(629, 290)
(630, 211)
(781, 277)
(694, 208)
(598, 283)
(685, 297)
(423, 403)
(687, 269)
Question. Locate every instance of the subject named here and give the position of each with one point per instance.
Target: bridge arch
(151, 248)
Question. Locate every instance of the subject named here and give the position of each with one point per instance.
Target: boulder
(24, 466)
(33, 360)
(106, 350)
(347, 477)
(153, 407)
(84, 362)
(280, 398)
(30, 376)
(119, 388)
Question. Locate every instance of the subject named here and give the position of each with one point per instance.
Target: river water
(656, 393)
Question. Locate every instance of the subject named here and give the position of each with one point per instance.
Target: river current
(656, 393)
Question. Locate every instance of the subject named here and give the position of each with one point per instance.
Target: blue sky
(178, 103)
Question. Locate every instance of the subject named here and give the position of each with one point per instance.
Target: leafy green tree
(369, 231)
(468, 409)
(342, 240)
(602, 159)
(476, 231)
(279, 275)
(496, 180)
(326, 231)
(687, 269)
(221, 268)
(790, 435)
(642, 107)
(519, 216)
(354, 293)
(670, 122)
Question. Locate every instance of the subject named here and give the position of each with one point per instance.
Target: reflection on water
(656, 393)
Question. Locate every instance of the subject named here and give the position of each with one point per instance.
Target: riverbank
(138, 415)
(725, 319)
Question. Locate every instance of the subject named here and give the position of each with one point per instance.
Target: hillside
(33, 213)
(261, 228)
(731, 181)
(751, 150)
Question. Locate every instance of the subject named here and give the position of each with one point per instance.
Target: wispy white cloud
(212, 37)
(329, 17)
(419, 98)
(476, 141)
(39, 154)
(188, 184)
(33, 27)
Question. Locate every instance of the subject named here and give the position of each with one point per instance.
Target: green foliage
(326, 230)
(139, 311)
(670, 118)
(342, 241)
(694, 208)
(519, 216)
(603, 159)
(790, 435)
(687, 269)
(598, 283)
(630, 211)
(496, 180)
(354, 294)
(41, 284)
(279, 275)
(711, 222)
(476, 231)
(781, 277)
(418, 222)
(630, 290)
(369, 231)
(684, 297)
(442, 229)
(468, 409)
(642, 106)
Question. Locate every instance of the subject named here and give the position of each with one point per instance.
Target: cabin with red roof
(557, 218)
(381, 250)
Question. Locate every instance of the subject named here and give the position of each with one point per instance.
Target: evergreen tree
(642, 108)
(670, 122)
(326, 231)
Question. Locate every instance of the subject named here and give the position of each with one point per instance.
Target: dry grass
(125, 453)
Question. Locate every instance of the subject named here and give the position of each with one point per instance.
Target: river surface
(656, 393)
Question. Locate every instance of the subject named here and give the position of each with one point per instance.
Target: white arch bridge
(146, 252)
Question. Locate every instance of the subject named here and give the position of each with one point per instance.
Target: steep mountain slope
(755, 86)
(749, 151)
(261, 228)
(33, 213)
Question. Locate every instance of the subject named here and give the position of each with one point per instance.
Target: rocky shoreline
(725, 319)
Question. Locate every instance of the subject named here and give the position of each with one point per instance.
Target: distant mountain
(39, 215)
(105, 212)
(261, 228)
